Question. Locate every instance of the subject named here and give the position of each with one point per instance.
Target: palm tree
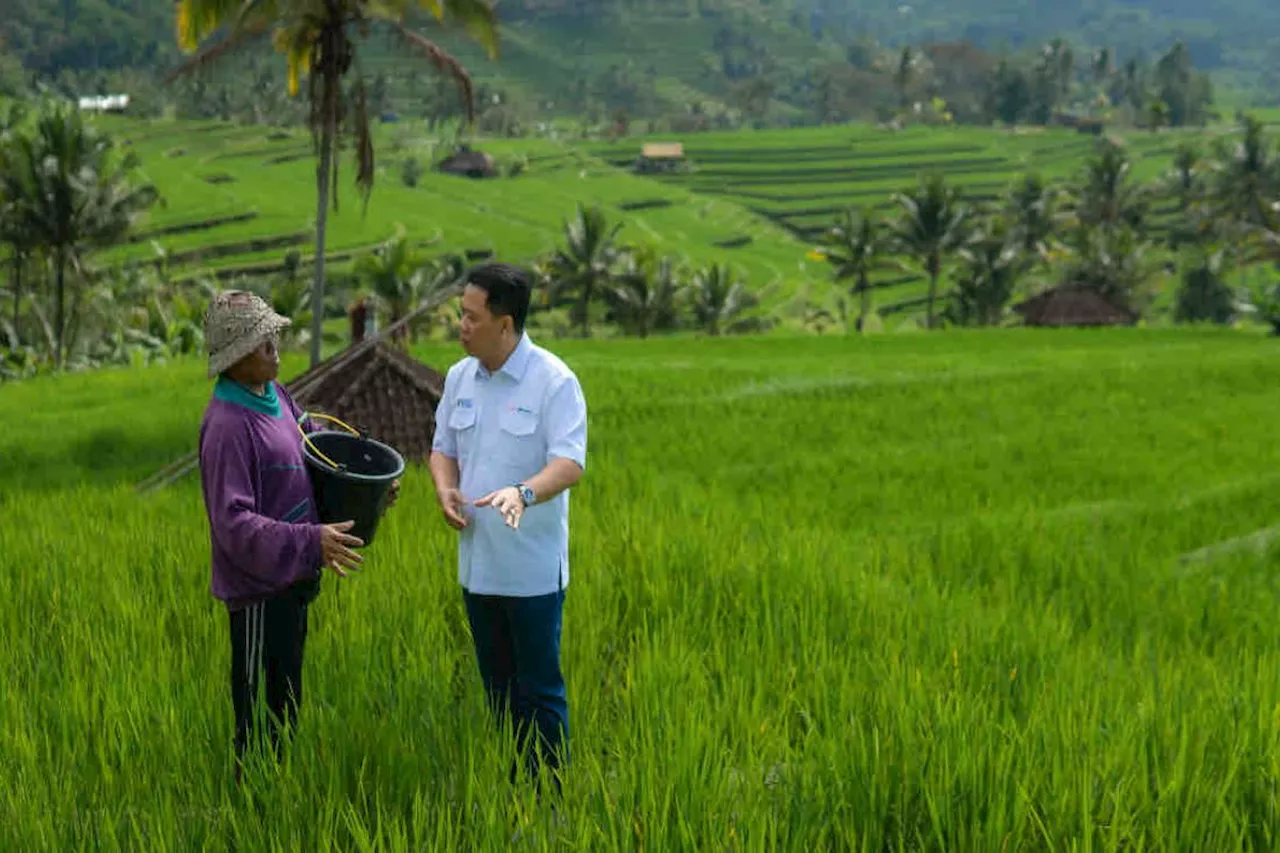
(1205, 294)
(1031, 207)
(13, 230)
(316, 38)
(852, 246)
(66, 184)
(586, 263)
(1185, 179)
(719, 301)
(645, 295)
(1247, 180)
(1186, 183)
(1111, 261)
(1108, 196)
(392, 272)
(932, 225)
(993, 261)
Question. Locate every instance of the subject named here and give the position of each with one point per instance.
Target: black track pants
(267, 642)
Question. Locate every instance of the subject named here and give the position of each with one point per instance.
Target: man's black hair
(507, 288)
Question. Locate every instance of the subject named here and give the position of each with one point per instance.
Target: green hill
(239, 197)
(667, 58)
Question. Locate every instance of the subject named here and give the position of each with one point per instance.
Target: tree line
(1094, 232)
(749, 80)
(68, 191)
(1098, 231)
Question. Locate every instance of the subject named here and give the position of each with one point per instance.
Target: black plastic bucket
(359, 487)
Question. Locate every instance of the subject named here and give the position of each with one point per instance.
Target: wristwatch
(526, 494)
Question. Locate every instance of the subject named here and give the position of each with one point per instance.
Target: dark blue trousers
(517, 643)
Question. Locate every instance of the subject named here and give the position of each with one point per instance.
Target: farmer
(510, 440)
(268, 546)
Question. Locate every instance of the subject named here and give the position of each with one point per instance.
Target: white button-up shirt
(503, 428)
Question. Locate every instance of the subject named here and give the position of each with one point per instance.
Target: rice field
(239, 198)
(234, 188)
(1008, 590)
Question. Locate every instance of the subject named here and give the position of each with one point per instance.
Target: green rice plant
(998, 590)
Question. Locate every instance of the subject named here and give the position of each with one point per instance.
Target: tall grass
(915, 592)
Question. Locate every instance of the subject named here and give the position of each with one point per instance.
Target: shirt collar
(230, 391)
(516, 363)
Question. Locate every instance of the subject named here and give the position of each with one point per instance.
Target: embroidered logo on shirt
(464, 404)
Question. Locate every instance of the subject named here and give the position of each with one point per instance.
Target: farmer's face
(482, 333)
(260, 366)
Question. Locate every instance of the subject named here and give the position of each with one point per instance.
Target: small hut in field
(656, 157)
(1069, 305)
(469, 164)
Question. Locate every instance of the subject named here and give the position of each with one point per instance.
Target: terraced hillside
(240, 197)
(801, 180)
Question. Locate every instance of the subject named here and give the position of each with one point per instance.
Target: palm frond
(477, 18)
(214, 52)
(444, 63)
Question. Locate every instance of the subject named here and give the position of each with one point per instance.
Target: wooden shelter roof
(372, 386)
(1069, 305)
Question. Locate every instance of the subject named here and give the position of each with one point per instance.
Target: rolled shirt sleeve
(566, 421)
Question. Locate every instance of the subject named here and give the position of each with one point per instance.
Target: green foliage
(932, 223)
(585, 266)
(66, 190)
(962, 592)
(992, 262)
(1204, 295)
(853, 247)
(687, 67)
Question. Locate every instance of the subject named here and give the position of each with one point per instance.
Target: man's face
(481, 332)
(260, 366)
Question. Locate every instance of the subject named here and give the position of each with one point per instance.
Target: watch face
(527, 494)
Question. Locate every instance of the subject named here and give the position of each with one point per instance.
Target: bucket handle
(307, 438)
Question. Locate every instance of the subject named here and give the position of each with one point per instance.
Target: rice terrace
(929, 501)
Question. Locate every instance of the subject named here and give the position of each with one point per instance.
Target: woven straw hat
(236, 324)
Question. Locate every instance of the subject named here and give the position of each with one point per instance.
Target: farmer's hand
(336, 545)
(452, 502)
(508, 502)
(394, 495)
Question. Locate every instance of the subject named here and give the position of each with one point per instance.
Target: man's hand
(508, 502)
(452, 503)
(394, 494)
(336, 545)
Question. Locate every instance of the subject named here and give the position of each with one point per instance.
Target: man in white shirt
(510, 441)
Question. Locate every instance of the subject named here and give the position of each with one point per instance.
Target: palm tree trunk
(588, 291)
(59, 323)
(323, 172)
(865, 287)
(17, 292)
(933, 295)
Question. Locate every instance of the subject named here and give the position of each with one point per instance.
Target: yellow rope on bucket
(307, 439)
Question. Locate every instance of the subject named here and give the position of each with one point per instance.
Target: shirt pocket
(462, 420)
(521, 442)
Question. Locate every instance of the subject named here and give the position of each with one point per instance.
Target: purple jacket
(263, 527)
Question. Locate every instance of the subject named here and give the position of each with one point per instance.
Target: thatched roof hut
(384, 392)
(470, 164)
(373, 386)
(1069, 305)
(659, 157)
